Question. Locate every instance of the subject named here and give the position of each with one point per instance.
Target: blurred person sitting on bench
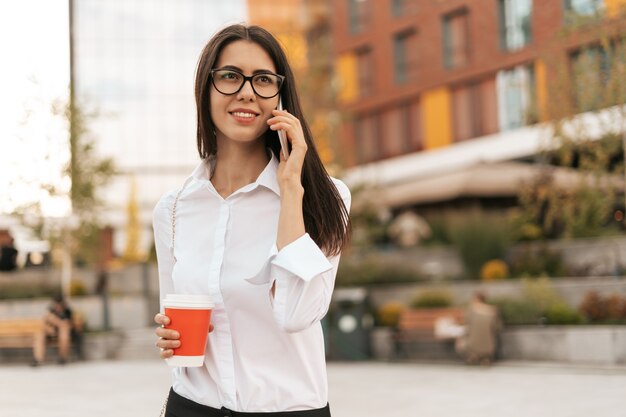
(61, 323)
(482, 322)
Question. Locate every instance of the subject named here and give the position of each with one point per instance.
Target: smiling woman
(31, 135)
(258, 232)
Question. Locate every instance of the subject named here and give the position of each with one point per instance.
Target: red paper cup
(190, 316)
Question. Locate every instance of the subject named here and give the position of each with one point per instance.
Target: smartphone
(282, 136)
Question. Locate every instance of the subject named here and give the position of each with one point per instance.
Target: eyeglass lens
(265, 85)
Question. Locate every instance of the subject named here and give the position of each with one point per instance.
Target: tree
(585, 103)
(88, 172)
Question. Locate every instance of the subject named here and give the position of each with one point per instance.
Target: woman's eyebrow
(235, 68)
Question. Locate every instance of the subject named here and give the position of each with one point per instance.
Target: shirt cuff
(302, 258)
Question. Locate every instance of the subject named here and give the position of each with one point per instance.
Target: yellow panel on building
(437, 119)
(295, 47)
(541, 87)
(348, 77)
(615, 7)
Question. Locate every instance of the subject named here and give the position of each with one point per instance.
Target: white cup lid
(188, 300)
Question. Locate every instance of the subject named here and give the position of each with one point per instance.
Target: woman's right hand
(168, 338)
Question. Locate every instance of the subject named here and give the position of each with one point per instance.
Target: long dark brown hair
(326, 218)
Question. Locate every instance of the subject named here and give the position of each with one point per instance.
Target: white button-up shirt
(266, 353)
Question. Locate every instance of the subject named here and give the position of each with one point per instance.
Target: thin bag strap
(174, 206)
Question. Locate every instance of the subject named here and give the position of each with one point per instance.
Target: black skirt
(178, 406)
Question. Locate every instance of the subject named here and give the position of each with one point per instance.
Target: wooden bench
(416, 338)
(19, 333)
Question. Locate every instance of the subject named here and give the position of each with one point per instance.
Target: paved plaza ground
(362, 389)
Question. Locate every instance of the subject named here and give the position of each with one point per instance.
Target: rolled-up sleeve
(304, 278)
(162, 227)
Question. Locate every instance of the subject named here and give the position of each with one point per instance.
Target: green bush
(372, 272)
(19, 290)
(432, 299)
(537, 263)
(518, 311)
(562, 313)
(479, 238)
(539, 304)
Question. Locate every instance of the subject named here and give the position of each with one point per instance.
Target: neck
(237, 165)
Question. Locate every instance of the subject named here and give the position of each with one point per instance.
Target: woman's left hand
(290, 170)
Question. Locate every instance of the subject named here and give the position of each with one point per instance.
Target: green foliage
(17, 290)
(432, 299)
(561, 313)
(539, 261)
(539, 304)
(479, 238)
(518, 311)
(355, 273)
(369, 221)
(439, 230)
(88, 173)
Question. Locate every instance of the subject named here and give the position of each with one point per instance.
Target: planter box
(603, 345)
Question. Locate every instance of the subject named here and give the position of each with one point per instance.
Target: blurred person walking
(260, 229)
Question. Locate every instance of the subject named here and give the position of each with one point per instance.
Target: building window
(358, 14)
(515, 27)
(456, 39)
(405, 57)
(515, 93)
(475, 111)
(401, 8)
(365, 69)
(414, 123)
(366, 130)
(591, 73)
(583, 7)
(395, 139)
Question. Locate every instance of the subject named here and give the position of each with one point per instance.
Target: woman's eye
(230, 75)
(265, 79)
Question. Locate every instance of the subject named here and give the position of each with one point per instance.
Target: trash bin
(348, 325)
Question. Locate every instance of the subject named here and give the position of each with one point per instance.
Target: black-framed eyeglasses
(229, 81)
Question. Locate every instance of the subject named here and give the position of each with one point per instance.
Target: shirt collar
(267, 178)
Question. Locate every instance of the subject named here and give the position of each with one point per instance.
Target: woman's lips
(243, 117)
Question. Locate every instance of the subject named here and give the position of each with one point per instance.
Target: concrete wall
(604, 345)
(125, 312)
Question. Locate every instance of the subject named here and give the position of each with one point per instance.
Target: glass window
(590, 73)
(405, 57)
(515, 26)
(365, 72)
(395, 138)
(366, 130)
(474, 110)
(358, 14)
(401, 8)
(584, 7)
(514, 89)
(456, 39)
(413, 115)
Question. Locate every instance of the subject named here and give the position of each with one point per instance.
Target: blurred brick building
(442, 98)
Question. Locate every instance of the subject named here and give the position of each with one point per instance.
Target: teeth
(241, 114)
